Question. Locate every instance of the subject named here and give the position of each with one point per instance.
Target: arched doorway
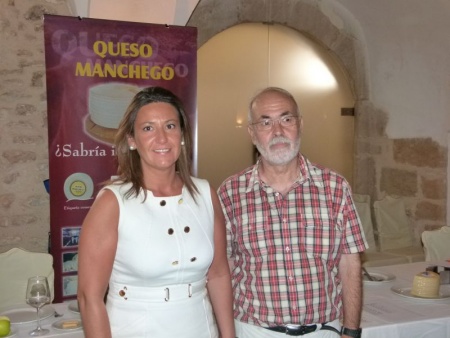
(247, 57)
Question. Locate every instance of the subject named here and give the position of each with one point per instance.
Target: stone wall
(24, 202)
(414, 169)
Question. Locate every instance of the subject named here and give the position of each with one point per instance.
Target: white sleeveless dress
(165, 247)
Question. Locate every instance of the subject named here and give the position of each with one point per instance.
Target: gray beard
(279, 157)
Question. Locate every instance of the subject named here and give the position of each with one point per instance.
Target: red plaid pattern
(286, 250)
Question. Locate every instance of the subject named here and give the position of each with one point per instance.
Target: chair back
(16, 266)
(362, 204)
(436, 244)
(392, 223)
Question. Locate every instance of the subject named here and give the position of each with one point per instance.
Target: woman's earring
(132, 148)
(182, 143)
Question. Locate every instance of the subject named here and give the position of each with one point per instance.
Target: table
(385, 314)
(388, 315)
(62, 308)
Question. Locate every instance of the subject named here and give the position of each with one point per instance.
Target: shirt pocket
(254, 238)
(319, 237)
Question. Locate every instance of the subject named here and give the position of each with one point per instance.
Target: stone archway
(213, 16)
(412, 168)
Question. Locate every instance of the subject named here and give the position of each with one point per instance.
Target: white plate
(12, 333)
(22, 314)
(78, 186)
(444, 293)
(59, 325)
(73, 306)
(379, 277)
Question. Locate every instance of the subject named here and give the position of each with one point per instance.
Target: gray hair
(278, 90)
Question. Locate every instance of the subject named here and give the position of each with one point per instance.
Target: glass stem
(38, 320)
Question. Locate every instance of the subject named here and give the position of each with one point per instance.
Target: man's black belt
(300, 330)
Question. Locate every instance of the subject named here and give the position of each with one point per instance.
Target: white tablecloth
(389, 315)
(23, 330)
(385, 314)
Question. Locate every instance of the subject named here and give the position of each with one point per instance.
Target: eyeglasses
(267, 124)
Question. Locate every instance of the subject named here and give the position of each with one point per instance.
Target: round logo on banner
(78, 186)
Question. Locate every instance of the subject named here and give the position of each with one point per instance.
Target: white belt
(156, 294)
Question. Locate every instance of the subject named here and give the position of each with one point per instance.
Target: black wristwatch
(355, 333)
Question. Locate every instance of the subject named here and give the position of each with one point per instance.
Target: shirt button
(170, 231)
(288, 249)
(187, 229)
(162, 203)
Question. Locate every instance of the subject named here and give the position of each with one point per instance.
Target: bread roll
(70, 324)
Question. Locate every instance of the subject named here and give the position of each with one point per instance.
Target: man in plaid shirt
(294, 236)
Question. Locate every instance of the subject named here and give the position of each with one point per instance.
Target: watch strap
(355, 333)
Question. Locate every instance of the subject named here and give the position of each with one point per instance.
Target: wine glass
(38, 294)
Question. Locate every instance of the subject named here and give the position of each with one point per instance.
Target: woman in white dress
(154, 239)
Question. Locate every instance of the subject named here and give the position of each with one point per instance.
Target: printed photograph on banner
(70, 236)
(70, 261)
(107, 105)
(70, 285)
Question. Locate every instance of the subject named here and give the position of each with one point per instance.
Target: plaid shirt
(286, 250)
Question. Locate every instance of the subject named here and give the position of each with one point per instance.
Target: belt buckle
(299, 330)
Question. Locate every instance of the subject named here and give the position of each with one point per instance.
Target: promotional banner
(94, 68)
